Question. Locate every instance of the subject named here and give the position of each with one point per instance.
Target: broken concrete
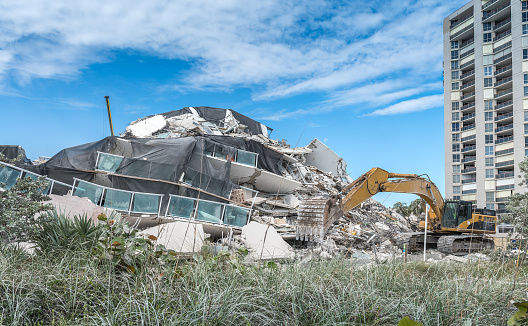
(264, 243)
(182, 237)
(76, 206)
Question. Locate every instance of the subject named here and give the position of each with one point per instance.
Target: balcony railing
(503, 69)
(468, 95)
(506, 127)
(467, 64)
(466, 54)
(461, 20)
(468, 84)
(469, 192)
(469, 127)
(468, 138)
(489, 3)
(503, 104)
(504, 92)
(502, 35)
(504, 140)
(488, 14)
(469, 170)
(468, 148)
(503, 164)
(502, 47)
(503, 81)
(504, 175)
(504, 152)
(468, 116)
(504, 57)
(465, 29)
(468, 42)
(472, 180)
(467, 74)
(469, 105)
(503, 116)
(469, 159)
(502, 23)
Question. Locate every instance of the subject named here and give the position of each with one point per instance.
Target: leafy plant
(519, 317)
(406, 321)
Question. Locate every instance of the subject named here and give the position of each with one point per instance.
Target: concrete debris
(76, 206)
(182, 237)
(264, 243)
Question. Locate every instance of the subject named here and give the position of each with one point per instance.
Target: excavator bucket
(315, 216)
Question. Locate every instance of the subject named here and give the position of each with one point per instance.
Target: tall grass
(70, 289)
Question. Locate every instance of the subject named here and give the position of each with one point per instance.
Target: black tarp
(14, 152)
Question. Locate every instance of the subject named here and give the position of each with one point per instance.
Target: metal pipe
(425, 233)
(109, 114)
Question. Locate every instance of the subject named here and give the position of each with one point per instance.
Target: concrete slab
(73, 205)
(182, 237)
(268, 245)
(325, 159)
(147, 127)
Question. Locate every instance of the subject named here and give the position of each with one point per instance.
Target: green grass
(72, 289)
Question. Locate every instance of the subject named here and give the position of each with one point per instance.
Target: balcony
(467, 85)
(504, 128)
(491, 4)
(503, 81)
(504, 116)
(468, 138)
(468, 127)
(504, 152)
(504, 175)
(503, 93)
(504, 140)
(467, 74)
(468, 42)
(496, 13)
(461, 20)
(502, 47)
(504, 104)
(503, 58)
(469, 148)
(469, 192)
(469, 170)
(502, 70)
(502, 35)
(467, 95)
(472, 180)
(468, 106)
(468, 64)
(469, 159)
(465, 32)
(468, 116)
(506, 163)
(467, 53)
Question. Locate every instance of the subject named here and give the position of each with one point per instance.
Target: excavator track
(315, 217)
(464, 244)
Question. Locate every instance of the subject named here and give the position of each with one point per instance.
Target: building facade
(485, 100)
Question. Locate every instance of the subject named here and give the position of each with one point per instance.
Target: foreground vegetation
(71, 288)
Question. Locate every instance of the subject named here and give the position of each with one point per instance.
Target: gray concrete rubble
(265, 243)
(182, 237)
(76, 206)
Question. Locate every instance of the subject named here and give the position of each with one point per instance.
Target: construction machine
(453, 226)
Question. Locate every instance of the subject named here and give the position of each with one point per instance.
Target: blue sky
(365, 77)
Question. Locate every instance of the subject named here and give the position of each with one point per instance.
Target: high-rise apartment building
(485, 100)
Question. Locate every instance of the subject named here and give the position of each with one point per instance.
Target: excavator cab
(455, 213)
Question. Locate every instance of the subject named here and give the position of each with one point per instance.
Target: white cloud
(409, 106)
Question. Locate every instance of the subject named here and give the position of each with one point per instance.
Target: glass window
(526, 129)
(455, 74)
(524, 5)
(525, 90)
(454, 55)
(488, 104)
(525, 75)
(486, 27)
(525, 54)
(236, 216)
(9, 176)
(488, 127)
(456, 197)
(489, 150)
(455, 116)
(455, 106)
(487, 38)
(525, 16)
(454, 65)
(524, 29)
(488, 71)
(456, 168)
(146, 203)
(456, 158)
(488, 82)
(490, 196)
(246, 158)
(489, 139)
(455, 86)
(456, 147)
(117, 199)
(456, 189)
(456, 137)
(181, 207)
(526, 152)
(488, 116)
(455, 126)
(454, 45)
(525, 115)
(209, 211)
(490, 206)
(525, 141)
(109, 162)
(489, 174)
(456, 178)
(489, 161)
(88, 190)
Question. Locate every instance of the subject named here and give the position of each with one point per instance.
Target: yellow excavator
(453, 226)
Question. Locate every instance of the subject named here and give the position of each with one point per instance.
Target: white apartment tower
(485, 100)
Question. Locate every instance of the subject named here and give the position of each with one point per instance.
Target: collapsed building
(213, 166)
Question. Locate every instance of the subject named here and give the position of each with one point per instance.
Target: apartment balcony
(467, 96)
(504, 152)
(468, 74)
(469, 159)
(467, 54)
(502, 26)
(504, 117)
(504, 128)
(469, 149)
(469, 192)
(505, 59)
(503, 106)
(461, 20)
(510, 163)
(468, 117)
(504, 82)
(498, 13)
(462, 34)
(502, 47)
(468, 106)
(469, 170)
(468, 65)
(504, 175)
(502, 71)
(504, 140)
(468, 127)
(466, 43)
(492, 4)
(502, 35)
(468, 138)
(468, 86)
(468, 181)
(503, 94)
